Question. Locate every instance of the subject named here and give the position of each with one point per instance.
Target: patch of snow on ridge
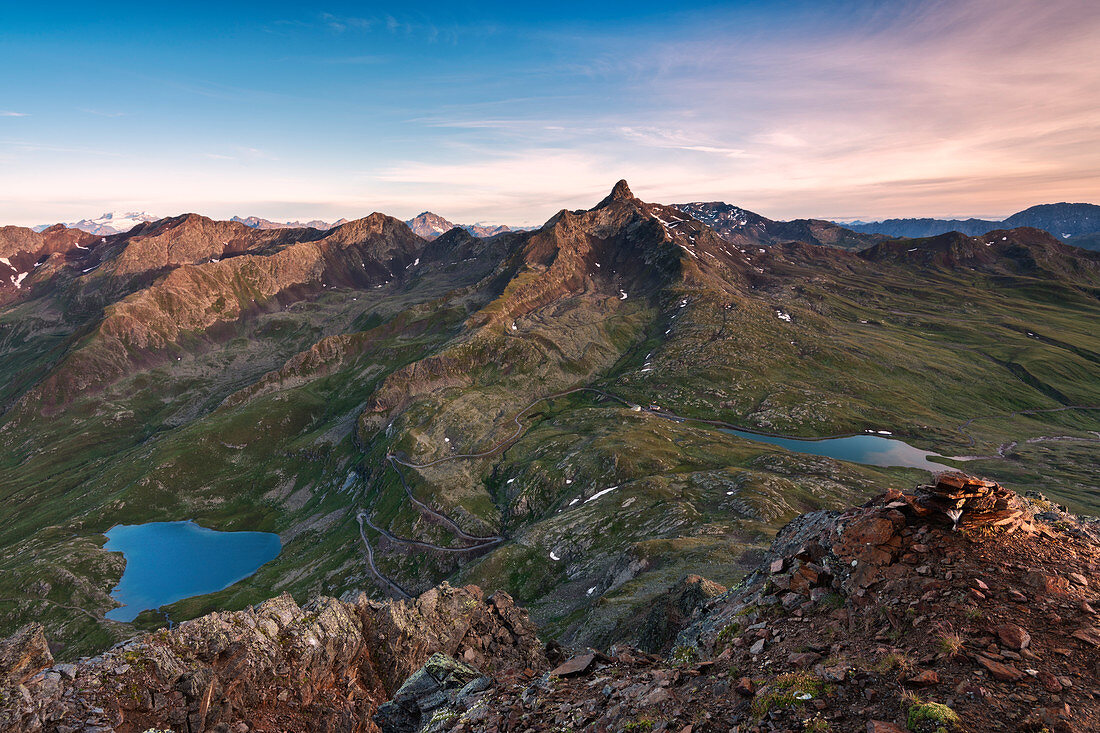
(6, 261)
(782, 316)
(554, 557)
(598, 494)
(17, 280)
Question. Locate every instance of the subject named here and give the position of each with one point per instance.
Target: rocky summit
(882, 618)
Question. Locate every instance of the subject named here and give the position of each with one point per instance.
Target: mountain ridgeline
(541, 412)
(1076, 224)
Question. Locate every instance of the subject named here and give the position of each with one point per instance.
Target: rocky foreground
(960, 607)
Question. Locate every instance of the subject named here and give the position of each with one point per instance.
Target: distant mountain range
(429, 226)
(107, 224)
(1077, 224)
(426, 225)
(258, 223)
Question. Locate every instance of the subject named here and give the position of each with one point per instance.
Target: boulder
(437, 686)
(1013, 636)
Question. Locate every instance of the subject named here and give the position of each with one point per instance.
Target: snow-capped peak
(112, 222)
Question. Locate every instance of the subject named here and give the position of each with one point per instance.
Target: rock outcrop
(324, 666)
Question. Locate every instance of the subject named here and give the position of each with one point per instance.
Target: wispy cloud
(677, 140)
(13, 114)
(28, 146)
(241, 153)
(101, 113)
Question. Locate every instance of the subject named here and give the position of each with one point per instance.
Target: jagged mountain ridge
(748, 229)
(257, 222)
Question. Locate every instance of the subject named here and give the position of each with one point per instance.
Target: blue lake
(169, 561)
(873, 450)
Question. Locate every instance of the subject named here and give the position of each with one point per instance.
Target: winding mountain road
(397, 589)
(481, 542)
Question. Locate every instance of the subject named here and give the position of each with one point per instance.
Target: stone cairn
(969, 503)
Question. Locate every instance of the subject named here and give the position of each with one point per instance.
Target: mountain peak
(621, 192)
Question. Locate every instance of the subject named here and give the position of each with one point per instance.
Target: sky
(507, 112)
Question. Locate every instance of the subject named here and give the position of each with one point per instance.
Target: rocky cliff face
(324, 666)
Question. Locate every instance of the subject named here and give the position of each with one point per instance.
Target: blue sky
(504, 112)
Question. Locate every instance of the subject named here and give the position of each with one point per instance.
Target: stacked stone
(971, 503)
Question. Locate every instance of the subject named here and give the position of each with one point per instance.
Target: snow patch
(17, 280)
(598, 494)
(6, 261)
(782, 316)
(554, 557)
(622, 295)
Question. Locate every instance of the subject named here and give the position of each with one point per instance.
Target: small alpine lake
(170, 561)
(873, 450)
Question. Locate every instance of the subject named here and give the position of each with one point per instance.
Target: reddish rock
(576, 665)
(803, 579)
(23, 654)
(868, 530)
(1001, 672)
(1013, 636)
(1050, 584)
(880, 726)
(1089, 635)
(656, 697)
(745, 687)
(803, 659)
(1049, 682)
(924, 679)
